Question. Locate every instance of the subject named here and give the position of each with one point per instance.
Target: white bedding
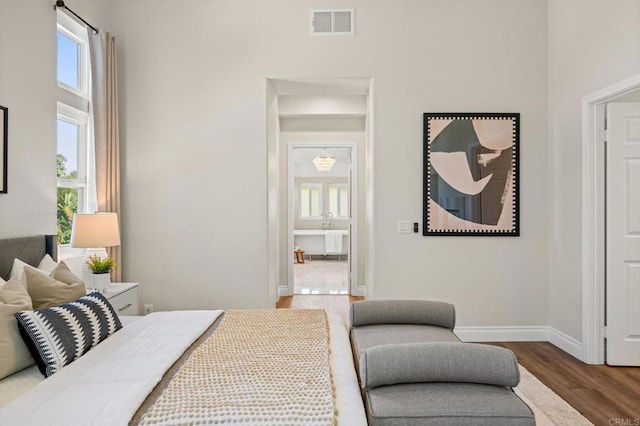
(107, 385)
(18, 383)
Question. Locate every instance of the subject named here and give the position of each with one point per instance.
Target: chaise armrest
(438, 362)
(368, 312)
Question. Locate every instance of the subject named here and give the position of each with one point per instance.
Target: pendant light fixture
(323, 162)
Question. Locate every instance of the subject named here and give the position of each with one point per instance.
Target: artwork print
(471, 174)
(4, 124)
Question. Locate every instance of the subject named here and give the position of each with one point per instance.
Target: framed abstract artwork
(471, 174)
(4, 134)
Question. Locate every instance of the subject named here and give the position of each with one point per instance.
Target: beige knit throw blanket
(260, 367)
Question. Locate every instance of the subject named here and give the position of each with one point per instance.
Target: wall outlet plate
(148, 309)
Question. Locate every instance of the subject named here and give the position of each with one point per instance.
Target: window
(339, 200)
(71, 168)
(73, 56)
(310, 201)
(68, 61)
(73, 124)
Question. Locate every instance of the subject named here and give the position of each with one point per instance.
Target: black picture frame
(4, 143)
(471, 174)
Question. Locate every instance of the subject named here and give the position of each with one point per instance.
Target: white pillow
(46, 265)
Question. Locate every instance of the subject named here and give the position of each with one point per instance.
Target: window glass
(339, 200)
(315, 202)
(68, 61)
(68, 135)
(310, 201)
(73, 138)
(304, 201)
(343, 211)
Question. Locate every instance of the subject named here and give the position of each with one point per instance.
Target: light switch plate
(405, 226)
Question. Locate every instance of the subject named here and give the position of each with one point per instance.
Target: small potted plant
(100, 268)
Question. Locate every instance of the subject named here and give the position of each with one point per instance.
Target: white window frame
(77, 33)
(300, 200)
(340, 187)
(74, 106)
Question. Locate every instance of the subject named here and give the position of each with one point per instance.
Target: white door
(623, 234)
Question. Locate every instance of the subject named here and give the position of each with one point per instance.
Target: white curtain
(106, 130)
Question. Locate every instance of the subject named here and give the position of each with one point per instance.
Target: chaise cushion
(423, 312)
(438, 362)
(457, 404)
(390, 334)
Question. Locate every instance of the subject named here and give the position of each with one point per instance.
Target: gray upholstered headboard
(28, 249)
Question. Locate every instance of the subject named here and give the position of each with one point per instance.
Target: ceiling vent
(332, 22)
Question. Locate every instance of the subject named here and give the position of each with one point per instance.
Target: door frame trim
(354, 248)
(593, 223)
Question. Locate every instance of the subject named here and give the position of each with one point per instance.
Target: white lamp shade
(93, 230)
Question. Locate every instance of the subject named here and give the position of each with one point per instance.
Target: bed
(258, 367)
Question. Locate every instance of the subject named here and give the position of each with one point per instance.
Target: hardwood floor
(604, 395)
(608, 396)
(338, 304)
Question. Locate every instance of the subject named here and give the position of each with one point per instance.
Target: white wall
(592, 44)
(194, 142)
(27, 88)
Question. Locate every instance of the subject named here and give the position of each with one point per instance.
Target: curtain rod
(60, 3)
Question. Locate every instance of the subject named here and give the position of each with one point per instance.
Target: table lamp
(94, 231)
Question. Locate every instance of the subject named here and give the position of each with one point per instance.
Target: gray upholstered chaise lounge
(413, 369)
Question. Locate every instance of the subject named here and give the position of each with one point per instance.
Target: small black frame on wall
(471, 174)
(4, 135)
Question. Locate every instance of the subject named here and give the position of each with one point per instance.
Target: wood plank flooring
(604, 395)
(608, 396)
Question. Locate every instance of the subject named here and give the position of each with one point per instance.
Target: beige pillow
(46, 292)
(62, 273)
(14, 354)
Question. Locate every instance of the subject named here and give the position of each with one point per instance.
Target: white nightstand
(123, 297)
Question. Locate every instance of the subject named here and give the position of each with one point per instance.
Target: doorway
(596, 227)
(330, 113)
(322, 217)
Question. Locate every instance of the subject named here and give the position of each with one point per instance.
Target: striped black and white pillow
(58, 336)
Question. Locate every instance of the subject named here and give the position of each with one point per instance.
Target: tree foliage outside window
(67, 203)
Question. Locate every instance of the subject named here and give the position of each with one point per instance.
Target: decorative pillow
(46, 292)
(14, 354)
(46, 265)
(58, 336)
(62, 273)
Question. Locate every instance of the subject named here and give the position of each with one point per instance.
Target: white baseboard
(566, 343)
(503, 334)
(283, 291)
(360, 291)
(522, 334)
